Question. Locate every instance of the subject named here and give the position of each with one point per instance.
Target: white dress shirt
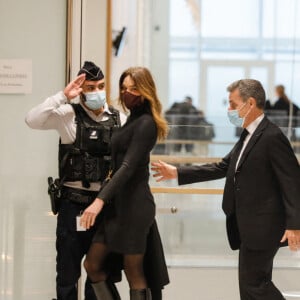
(250, 128)
(57, 114)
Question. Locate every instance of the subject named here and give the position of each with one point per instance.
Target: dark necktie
(244, 133)
(229, 199)
(239, 147)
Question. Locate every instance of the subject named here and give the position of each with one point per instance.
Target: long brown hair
(146, 86)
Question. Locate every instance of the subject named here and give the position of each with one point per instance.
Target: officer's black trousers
(71, 246)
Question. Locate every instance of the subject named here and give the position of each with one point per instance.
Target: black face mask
(131, 100)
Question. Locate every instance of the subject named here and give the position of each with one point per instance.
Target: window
(232, 30)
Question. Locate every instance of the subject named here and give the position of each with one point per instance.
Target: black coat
(281, 104)
(265, 188)
(129, 225)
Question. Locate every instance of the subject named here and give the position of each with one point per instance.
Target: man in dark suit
(262, 191)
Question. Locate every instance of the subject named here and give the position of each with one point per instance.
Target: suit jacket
(262, 196)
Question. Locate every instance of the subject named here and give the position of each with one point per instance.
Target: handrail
(179, 190)
(189, 159)
(207, 142)
(204, 142)
(183, 159)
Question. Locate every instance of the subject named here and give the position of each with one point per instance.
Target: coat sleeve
(192, 174)
(50, 114)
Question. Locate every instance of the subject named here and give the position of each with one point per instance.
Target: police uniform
(84, 157)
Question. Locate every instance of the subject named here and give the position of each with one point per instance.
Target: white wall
(34, 30)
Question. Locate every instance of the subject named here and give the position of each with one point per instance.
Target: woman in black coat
(129, 228)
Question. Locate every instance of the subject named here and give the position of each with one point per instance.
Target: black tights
(133, 266)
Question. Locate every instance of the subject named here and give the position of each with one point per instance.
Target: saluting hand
(293, 237)
(73, 89)
(89, 215)
(163, 171)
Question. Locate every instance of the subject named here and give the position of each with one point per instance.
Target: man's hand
(293, 237)
(163, 171)
(73, 89)
(89, 215)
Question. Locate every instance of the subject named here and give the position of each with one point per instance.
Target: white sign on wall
(15, 76)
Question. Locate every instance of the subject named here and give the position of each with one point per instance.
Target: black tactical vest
(88, 158)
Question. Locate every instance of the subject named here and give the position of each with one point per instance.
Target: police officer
(85, 129)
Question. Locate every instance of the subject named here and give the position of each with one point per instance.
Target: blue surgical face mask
(235, 118)
(95, 100)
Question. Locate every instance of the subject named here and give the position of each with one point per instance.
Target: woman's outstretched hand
(163, 171)
(89, 215)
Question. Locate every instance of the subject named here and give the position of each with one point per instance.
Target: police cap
(91, 71)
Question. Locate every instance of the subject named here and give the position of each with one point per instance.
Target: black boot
(113, 289)
(144, 294)
(102, 291)
(156, 294)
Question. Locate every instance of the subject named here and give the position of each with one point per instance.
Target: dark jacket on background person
(282, 104)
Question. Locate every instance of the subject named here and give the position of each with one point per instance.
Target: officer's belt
(78, 196)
